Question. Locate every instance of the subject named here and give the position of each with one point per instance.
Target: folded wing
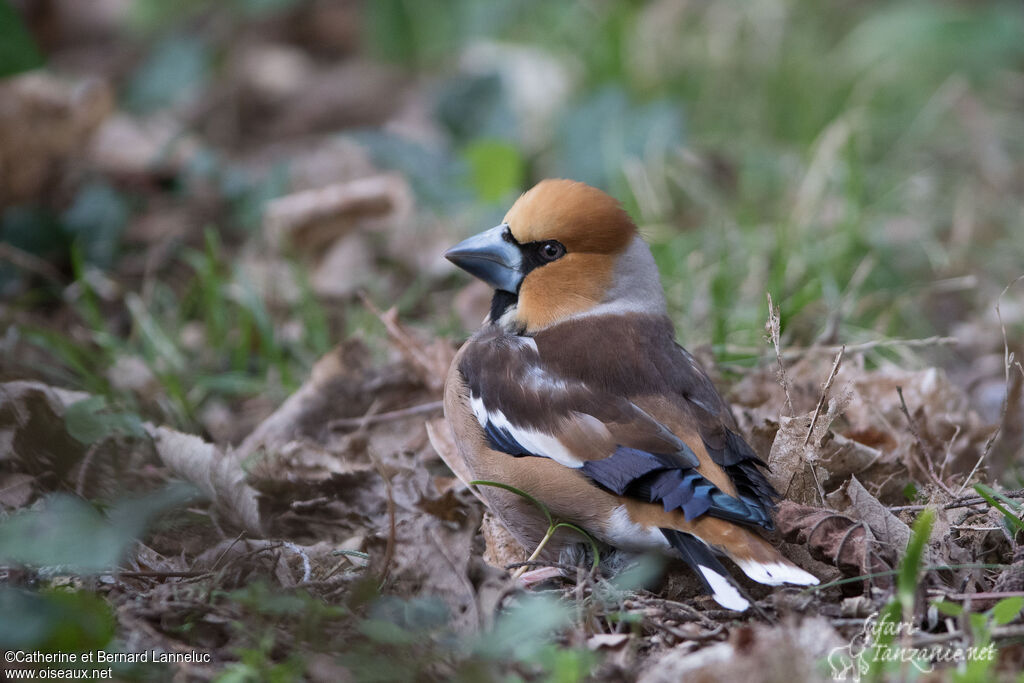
(526, 409)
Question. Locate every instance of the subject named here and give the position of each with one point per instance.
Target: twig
(962, 502)
(824, 394)
(160, 575)
(985, 596)
(1010, 631)
(348, 554)
(540, 563)
(678, 610)
(311, 504)
(413, 411)
(949, 453)
(927, 464)
(793, 353)
(774, 326)
(682, 635)
(216, 563)
(893, 572)
(407, 345)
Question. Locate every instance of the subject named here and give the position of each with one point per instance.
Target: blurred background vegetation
(861, 161)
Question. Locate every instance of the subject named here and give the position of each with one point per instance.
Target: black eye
(552, 251)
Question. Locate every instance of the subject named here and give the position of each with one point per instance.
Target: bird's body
(575, 392)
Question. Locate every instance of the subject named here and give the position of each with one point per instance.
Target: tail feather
(712, 574)
(700, 540)
(759, 560)
(776, 573)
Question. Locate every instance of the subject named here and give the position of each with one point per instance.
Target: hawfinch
(576, 392)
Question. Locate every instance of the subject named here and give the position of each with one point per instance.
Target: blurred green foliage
(96, 219)
(72, 535)
(155, 16)
(56, 620)
(18, 51)
(496, 169)
(176, 65)
(605, 130)
(815, 133)
(90, 421)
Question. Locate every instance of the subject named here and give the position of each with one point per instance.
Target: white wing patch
(535, 442)
(477, 405)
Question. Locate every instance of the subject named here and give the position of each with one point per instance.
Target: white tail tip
(776, 573)
(722, 590)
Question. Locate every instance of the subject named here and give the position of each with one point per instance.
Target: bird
(575, 391)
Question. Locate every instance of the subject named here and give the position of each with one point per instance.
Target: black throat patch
(501, 302)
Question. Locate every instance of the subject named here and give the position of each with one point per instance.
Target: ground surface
(226, 325)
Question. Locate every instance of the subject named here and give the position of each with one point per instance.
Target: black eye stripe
(533, 257)
(536, 254)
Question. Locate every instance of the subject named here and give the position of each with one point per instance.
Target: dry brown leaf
(347, 266)
(607, 641)
(763, 653)
(500, 547)
(132, 147)
(795, 468)
(32, 421)
(311, 220)
(44, 122)
(853, 500)
(429, 358)
(833, 538)
(35, 440)
(1011, 579)
(435, 558)
(342, 384)
(448, 506)
(33, 434)
(217, 474)
(869, 437)
(144, 559)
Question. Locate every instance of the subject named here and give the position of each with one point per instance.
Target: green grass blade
(906, 580)
(990, 497)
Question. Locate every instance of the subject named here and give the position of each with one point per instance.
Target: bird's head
(565, 249)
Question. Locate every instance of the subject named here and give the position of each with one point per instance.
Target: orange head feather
(594, 229)
(583, 218)
(564, 249)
